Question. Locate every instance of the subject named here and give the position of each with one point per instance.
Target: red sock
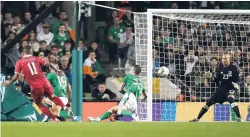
(46, 111)
(58, 101)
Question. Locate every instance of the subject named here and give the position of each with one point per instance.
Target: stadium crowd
(197, 46)
(50, 40)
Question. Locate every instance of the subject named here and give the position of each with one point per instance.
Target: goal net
(190, 43)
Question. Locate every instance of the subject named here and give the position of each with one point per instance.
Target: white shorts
(64, 100)
(129, 100)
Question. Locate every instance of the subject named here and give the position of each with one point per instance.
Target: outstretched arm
(144, 94)
(48, 64)
(7, 83)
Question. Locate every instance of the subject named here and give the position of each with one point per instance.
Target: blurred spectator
(174, 5)
(84, 49)
(43, 47)
(128, 20)
(110, 20)
(114, 34)
(33, 42)
(65, 66)
(17, 27)
(51, 20)
(92, 71)
(67, 54)
(190, 61)
(237, 59)
(130, 59)
(156, 61)
(27, 18)
(81, 45)
(245, 87)
(11, 36)
(69, 30)
(54, 50)
(102, 93)
(68, 46)
(11, 57)
(7, 18)
(41, 54)
(166, 36)
(54, 61)
(22, 44)
(60, 38)
(94, 47)
(62, 16)
(126, 39)
(45, 34)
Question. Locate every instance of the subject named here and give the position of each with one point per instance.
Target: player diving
(132, 87)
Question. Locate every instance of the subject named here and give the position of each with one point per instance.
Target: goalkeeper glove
(236, 86)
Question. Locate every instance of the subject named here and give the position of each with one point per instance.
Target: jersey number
(62, 82)
(225, 76)
(32, 68)
(138, 84)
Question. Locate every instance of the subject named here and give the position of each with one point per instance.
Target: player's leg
(205, 108)
(50, 92)
(248, 115)
(233, 104)
(121, 109)
(56, 110)
(111, 111)
(128, 106)
(37, 95)
(105, 115)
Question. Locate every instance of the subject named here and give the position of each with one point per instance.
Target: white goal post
(205, 30)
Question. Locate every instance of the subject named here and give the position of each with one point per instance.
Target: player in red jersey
(30, 66)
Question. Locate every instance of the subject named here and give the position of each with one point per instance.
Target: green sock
(64, 114)
(126, 113)
(105, 115)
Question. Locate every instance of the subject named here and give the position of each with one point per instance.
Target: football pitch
(125, 129)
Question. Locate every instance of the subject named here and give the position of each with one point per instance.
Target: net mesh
(191, 45)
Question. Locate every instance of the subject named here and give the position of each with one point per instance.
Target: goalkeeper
(132, 86)
(228, 76)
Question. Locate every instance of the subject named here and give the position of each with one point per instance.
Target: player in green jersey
(132, 88)
(62, 89)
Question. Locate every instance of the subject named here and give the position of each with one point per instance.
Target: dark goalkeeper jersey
(227, 75)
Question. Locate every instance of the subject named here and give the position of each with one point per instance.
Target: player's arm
(48, 64)
(69, 92)
(121, 88)
(235, 79)
(236, 75)
(144, 94)
(18, 71)
(14, 78)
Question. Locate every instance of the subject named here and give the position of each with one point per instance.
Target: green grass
(120, 129)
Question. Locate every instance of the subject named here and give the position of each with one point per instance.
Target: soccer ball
(163, 71)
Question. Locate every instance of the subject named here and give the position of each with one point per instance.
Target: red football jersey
(30, 66)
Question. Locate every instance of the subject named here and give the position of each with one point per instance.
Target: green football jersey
(59, 83)
(134, 85)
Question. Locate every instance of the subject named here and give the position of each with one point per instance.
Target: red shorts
(38, 93)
